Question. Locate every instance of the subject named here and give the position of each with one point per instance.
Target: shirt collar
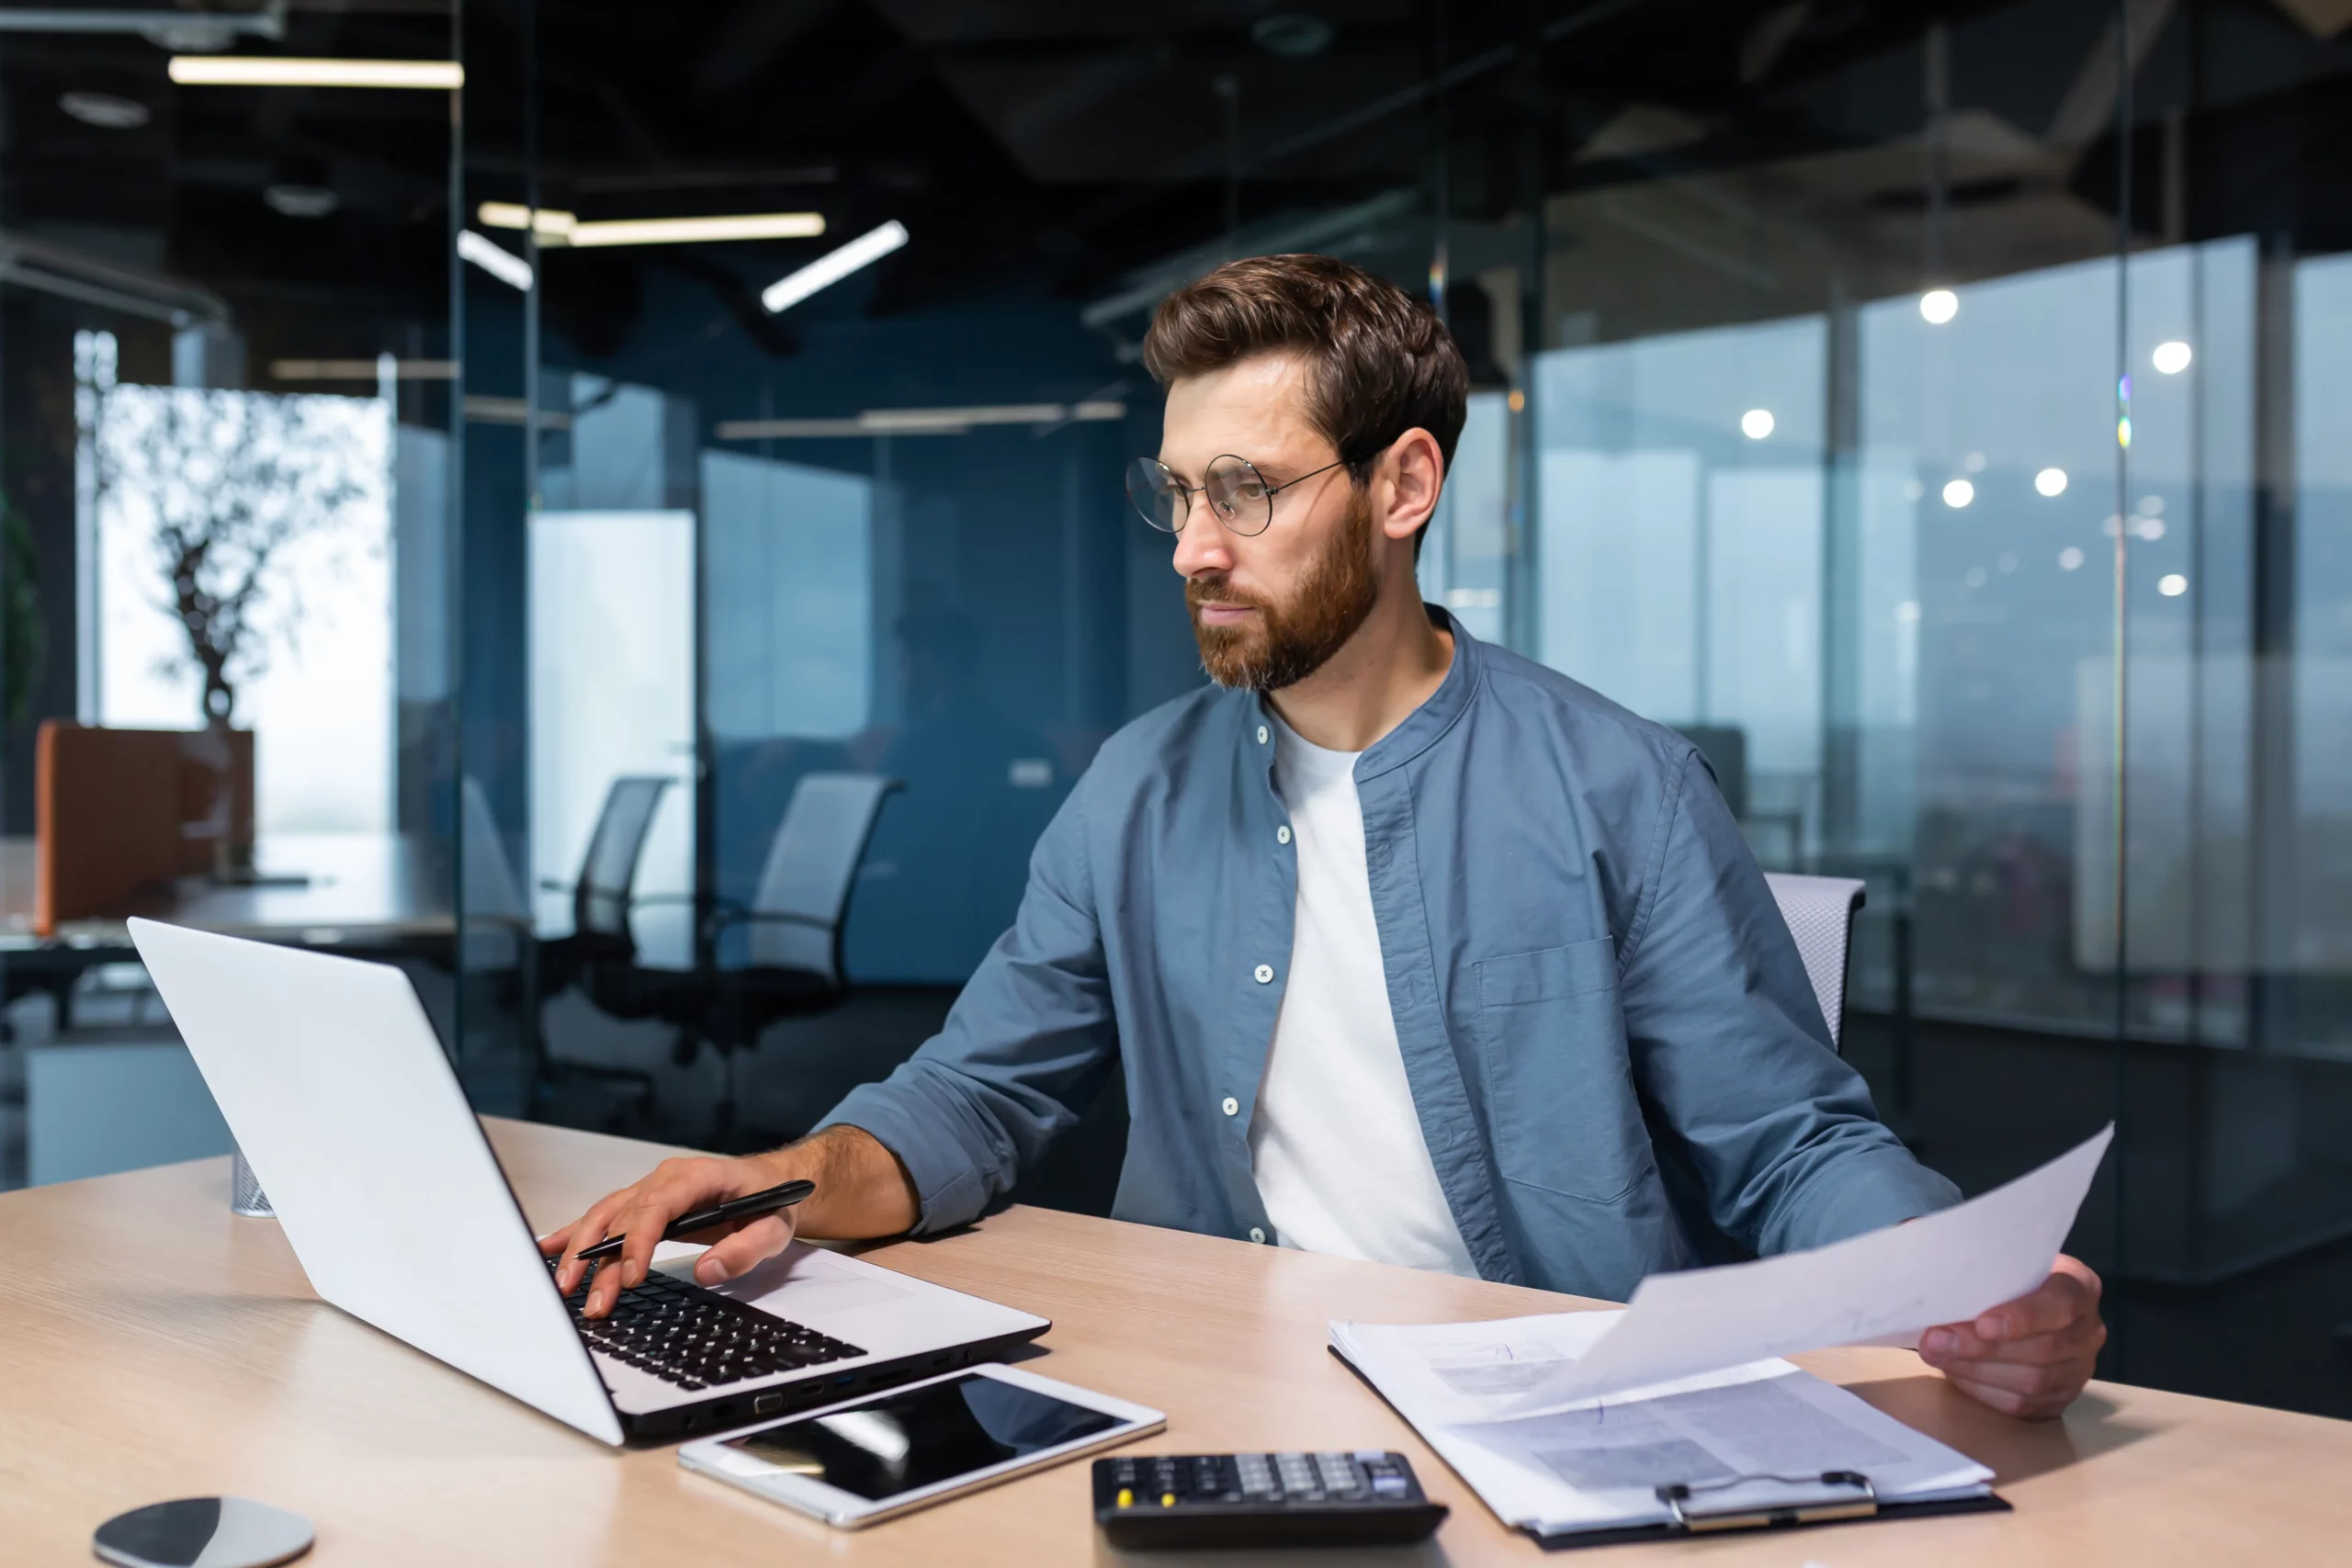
(1424, 726)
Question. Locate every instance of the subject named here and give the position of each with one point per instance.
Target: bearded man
(1412, 950)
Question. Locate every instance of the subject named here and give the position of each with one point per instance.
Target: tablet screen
(920, 1436)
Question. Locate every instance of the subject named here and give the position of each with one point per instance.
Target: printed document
(1884, 1288)
(1597, 1465)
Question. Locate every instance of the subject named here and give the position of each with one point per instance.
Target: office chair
(1820, 912)
(600, 954)
(793, 926)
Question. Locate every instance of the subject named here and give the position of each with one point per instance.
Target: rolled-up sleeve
(1730, 1048)
(1025, 1048)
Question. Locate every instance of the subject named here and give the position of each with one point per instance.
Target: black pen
(749, 1206)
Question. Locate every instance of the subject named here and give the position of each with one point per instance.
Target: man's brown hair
(1379, 363)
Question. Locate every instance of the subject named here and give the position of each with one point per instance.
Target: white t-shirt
(1336, 1142)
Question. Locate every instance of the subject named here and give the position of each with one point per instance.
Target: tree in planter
(223, 483)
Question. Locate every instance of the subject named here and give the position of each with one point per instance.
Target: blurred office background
(1941, 413)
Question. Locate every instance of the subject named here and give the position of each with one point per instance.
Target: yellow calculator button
(1168, 1499)
(1127, 1498)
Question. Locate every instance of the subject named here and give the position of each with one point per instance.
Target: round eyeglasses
(1244, 502)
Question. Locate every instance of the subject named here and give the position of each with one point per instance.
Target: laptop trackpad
(805, 1284)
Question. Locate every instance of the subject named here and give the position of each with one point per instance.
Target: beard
(1289, 641)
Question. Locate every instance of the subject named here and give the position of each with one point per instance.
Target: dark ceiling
(1061, 143)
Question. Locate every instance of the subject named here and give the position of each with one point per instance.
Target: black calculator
(1363, 1499)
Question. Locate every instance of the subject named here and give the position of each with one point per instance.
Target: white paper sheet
(1886, 1287)
(1596, 1465)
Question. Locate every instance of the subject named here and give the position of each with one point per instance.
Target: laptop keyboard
(698, 1338)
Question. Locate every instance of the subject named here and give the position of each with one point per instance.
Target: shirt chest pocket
(1560, 1090)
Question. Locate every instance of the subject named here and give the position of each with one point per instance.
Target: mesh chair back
(600, 901)
(804, 890)
(1820, 913)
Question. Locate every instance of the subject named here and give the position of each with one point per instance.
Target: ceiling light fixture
(1938, 306)
(281, 71)
(1755, 424)
(105, 110)
(923, 421)
(692, 230)
(1959, 493)
(834, 266)
(300, 200)
(2050, 481)
(551, 223)
(494, 259)
(555, 227)
(2172, 358)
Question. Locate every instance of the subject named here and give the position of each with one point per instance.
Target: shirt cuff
(949, 1185)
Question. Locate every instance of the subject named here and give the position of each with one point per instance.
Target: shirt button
(1264, 974)
(1262, 735)
(1282, 835)
(1257, 1235)
(1231, 1107)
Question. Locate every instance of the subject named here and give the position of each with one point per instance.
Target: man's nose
(1202, 544)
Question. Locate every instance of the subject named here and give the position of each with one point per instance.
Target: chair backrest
(1820, 913)
(600, 899)
(812, 861)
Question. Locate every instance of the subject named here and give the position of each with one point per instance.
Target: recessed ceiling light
(105, 110)
(301, 201)
(2171, 359)
(1938, 306)
(1959, 493)
(1755, 424)
(2050, 481)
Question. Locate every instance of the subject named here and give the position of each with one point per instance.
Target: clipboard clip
(1677, 1497)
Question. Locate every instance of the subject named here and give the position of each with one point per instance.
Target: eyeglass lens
(1244, 503)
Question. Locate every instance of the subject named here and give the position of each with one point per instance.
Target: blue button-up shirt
(1618, 1062)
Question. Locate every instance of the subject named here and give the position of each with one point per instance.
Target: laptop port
(767, 1404)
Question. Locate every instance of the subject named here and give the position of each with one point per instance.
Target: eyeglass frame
(1188, 491)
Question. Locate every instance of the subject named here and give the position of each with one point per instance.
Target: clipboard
(1690, 1516)
(1692, 1519)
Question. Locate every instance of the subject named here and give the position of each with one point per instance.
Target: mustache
(1200, 590)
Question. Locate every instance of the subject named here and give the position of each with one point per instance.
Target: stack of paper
(1569, 1423)
(1595, 1464)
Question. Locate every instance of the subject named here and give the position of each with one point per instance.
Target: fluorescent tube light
(551, 223)
(558, 228)
(281, 71)
(920, 421)
(691, 230)
(494, 259)
(835, 265)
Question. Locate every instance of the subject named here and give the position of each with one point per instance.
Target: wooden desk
(157, 1346)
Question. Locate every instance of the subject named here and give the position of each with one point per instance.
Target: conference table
(159, 1347)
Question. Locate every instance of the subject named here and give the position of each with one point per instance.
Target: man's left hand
(2029, 1357)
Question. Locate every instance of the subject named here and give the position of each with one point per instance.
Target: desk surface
(158, 1347)
(361, 884)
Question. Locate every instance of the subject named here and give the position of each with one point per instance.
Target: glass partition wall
(1926, 409)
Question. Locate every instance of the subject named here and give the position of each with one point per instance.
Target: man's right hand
(862, 1190)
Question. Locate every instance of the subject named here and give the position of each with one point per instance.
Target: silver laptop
(337, 1090)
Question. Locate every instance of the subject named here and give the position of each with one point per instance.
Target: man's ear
(1411, 473)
